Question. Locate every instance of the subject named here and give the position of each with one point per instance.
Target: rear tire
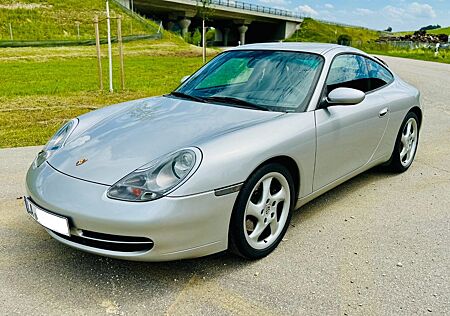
(405, 145)
(262, 212)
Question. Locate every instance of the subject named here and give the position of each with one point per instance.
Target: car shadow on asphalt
(88, 270)
(341, 192)
(304, 213)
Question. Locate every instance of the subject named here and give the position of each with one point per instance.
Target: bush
(210, 35)
(197, 37)
(344, 39)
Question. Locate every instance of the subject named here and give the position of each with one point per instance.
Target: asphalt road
(376, 245)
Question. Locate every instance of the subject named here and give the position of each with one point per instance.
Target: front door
(348, 135)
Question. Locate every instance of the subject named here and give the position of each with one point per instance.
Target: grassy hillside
(445, 30)
(58, 19)
(315, 31)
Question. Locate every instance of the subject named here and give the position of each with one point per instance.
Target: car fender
(401, 97)
(231, 158)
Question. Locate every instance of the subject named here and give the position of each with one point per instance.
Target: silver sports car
(223, 161)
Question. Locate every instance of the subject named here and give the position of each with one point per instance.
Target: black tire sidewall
(237, 241)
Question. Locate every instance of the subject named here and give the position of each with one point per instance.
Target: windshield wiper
(186, 96)
(236, 101)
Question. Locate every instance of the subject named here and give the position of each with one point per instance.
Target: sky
(401, 15)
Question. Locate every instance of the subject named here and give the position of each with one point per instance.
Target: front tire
(406, 144)
(262, 212)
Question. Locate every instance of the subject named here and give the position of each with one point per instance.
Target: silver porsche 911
(223, 161)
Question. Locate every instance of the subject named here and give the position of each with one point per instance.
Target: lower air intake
(110, 242)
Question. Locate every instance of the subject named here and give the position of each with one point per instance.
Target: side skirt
(302, 201)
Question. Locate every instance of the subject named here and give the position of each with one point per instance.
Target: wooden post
(108, 28)
(10, 32)
(99, 56)
(78, 29)
(119, 41)
(203, 41)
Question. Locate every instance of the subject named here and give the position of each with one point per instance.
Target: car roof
(317, 48)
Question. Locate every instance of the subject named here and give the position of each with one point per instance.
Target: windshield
(265, 80)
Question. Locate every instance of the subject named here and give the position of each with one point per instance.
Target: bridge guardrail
(254, 7)
(263, 9)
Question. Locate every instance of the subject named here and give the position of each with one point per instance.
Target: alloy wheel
(408, 142)
(267, 210)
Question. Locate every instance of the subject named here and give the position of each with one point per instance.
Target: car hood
(144, 131)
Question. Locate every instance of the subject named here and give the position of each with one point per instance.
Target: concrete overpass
(233, 20)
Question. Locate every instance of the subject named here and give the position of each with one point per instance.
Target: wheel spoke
(266, 189)
(258, 231)
(409, 128)
(408, 154)
(280, 195)
(403, 153)
(255, 209)
(404, 140)
(274, 226)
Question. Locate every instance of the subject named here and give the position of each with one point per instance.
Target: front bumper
(179, 227)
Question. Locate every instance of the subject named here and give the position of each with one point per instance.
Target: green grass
(57, 20)
(445, 30)
(419, 54)
(314, 31)
(40, 88)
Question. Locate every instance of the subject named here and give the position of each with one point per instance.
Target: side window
(378, 74)
(348, 71)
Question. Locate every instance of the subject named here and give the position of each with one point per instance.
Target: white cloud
(410, 12)
(363, 11)
(306, 10)
(329, 6)
(419, 10)
(394, 12)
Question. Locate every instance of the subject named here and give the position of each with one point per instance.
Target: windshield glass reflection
(265, 80)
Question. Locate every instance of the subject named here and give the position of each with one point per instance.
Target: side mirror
(184, 79)
(345, 96)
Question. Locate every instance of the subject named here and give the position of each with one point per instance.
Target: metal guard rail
(252, 7)
(264, 9)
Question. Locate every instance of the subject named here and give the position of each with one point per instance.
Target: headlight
(56, 142)
(157, 178)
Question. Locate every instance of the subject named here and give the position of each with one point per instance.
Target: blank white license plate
(51, 221)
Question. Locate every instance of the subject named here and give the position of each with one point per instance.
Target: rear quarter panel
(401, 98)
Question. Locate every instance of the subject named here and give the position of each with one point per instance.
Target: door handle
(383, 112)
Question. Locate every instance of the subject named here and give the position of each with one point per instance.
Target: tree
(196, 37)
(210, 34)
(389, 29)
(430, 27)
(204, 10)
